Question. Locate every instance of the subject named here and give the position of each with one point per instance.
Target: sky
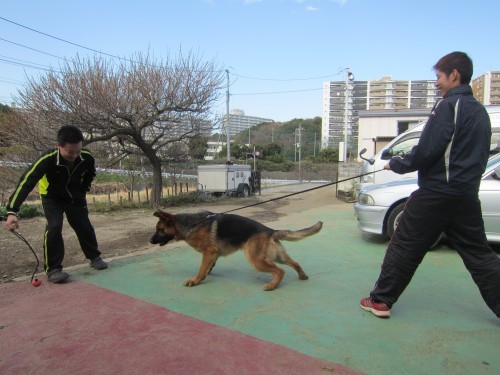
(278, 52)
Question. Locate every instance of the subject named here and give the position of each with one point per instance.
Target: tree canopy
(138, 106)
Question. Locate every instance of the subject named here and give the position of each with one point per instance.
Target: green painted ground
(440, 325)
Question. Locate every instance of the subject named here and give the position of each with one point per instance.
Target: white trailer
(228, 179)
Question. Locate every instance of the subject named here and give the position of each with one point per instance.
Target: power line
(64, 40)
(40, 67)
(25, 64)
(13, 81)
(33, 49)
(287, 79)
(279, 92)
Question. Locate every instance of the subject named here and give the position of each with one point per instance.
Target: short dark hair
(459, 61)
(69, 134)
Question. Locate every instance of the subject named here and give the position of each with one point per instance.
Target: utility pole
(348, 78)
(345, 112)
(300, 153)
(227, 120)
(314, 153)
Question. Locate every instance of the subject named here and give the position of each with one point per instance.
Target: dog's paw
(191, 282)
(268, 287)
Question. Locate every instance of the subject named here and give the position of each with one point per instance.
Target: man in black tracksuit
(450, 157)
(64, 176)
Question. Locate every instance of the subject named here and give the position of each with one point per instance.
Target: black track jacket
(453, 149)
(56, 180)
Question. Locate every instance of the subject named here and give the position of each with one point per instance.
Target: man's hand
(11, 223)
(387, 166)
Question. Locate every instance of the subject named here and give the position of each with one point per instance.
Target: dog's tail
(296, 235)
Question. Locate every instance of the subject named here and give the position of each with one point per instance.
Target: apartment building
(486, 88)
(342, 101)
(239, 122)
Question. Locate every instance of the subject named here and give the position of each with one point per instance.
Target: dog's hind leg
(207, 263)
(282, 257)
(296, 267)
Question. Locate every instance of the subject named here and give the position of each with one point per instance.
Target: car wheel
(393, 220)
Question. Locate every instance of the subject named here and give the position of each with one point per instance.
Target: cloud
(250, 2)
(310, 8)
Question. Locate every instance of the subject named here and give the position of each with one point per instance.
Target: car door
(489, 194)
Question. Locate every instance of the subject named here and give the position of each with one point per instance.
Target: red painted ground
(77, 328)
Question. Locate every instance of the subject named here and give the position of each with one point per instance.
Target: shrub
(103, 207)
(182, 199)
(25, 211)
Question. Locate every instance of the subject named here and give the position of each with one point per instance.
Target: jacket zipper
(69, 177)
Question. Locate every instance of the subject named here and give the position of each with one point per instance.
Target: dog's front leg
(207, 263)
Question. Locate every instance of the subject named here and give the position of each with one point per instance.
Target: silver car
(379, 206)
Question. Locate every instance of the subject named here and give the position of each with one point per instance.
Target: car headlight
(366, 199)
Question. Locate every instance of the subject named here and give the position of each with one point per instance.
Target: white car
(379, 206)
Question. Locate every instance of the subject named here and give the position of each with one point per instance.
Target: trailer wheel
(243, 190)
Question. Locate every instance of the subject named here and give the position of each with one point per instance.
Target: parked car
(379, 206)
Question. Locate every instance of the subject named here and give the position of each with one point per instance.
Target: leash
(286, 196)
(300, 192)
(34, 281)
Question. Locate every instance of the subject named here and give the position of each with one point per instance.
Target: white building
(238, 122)
(213, 149)
(378, 128)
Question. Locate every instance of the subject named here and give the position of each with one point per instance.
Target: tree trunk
(157, 190)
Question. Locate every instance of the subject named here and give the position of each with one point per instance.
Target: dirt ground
(128, 232)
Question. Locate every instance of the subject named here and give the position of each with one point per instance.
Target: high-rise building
(239, 122)
(486, 88)
(342, 100)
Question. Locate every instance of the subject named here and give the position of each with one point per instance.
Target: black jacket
(55, 179)
(453, 150)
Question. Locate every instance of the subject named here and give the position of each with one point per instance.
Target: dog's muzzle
(161, 240)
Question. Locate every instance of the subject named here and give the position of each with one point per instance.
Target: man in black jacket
(64, 176)
(450, 157)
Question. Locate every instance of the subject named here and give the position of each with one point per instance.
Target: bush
(25, 211)
(265, 165)
(29, 210)
(103, 207)
(182, 199)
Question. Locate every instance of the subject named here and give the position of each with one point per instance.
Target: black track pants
(426, 215)
(53, 244)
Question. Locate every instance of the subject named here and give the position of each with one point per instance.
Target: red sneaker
(378, 309)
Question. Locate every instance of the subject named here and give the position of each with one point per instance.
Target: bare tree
(142, 105)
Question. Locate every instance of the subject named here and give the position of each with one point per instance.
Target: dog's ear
(163, 215)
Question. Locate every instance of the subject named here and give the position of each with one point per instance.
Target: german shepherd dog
(215, 235)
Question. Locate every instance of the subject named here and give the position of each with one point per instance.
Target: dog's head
(165, 228)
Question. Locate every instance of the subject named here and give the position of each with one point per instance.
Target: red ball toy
(36, 282)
